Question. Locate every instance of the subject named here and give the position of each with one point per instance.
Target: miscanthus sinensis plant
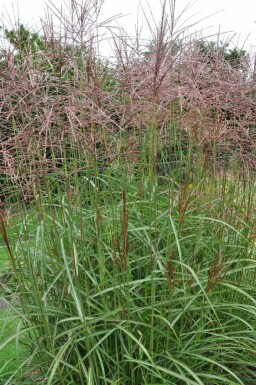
(131, 197)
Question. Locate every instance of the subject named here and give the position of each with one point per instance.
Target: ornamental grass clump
(130, 207)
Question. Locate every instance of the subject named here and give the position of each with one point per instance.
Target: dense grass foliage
(129, 216)
(138, 282)
(12, 353)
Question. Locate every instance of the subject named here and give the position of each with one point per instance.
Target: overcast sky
(231, 16)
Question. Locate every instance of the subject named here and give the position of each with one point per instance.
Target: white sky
(233, 16)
